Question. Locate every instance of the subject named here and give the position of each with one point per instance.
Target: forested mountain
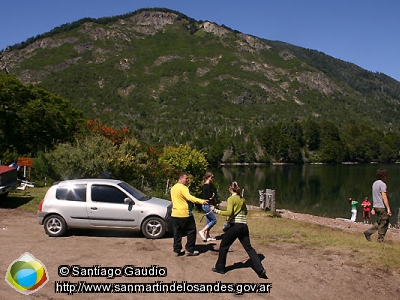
(175, 80)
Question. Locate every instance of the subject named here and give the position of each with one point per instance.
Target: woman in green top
(237, 212)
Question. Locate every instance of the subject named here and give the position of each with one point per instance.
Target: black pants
(184, 226)
(241, 232)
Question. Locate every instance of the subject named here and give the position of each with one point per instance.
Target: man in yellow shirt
(182, 217)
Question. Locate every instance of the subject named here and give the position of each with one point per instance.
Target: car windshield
(134, 192)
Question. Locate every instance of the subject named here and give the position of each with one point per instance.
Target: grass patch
(27, 200)
(322, 240)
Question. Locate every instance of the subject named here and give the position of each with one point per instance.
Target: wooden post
(166, 188)
(262, 199)
(268, 193)
(398, 218)
(267, 199)
(273, 203)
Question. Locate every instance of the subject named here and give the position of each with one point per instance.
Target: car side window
(72, 192)
(108, 194)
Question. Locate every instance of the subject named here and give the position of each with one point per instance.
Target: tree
(387, 154)
(32, 119)
(331, 146)
(117, 136)
(393, 140)
(271, 140)
(95, 155)
(294, 131)
(312, 135)
(174, 160)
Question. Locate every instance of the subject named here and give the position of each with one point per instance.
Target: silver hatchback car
(102, 204)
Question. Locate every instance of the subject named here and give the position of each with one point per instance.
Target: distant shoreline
(312, 163)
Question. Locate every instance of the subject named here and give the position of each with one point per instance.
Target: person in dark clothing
(209, 195)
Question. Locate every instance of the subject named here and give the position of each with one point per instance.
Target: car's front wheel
(154, 228)
(3, 196)
(55, 225)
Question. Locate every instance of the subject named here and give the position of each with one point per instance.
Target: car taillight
(40, 205)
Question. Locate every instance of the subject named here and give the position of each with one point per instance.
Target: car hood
(158, 202)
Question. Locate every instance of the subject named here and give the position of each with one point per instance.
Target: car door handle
(93, 208)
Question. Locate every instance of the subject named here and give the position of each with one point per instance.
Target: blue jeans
(211, 219)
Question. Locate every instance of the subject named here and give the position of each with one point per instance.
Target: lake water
(320, 190)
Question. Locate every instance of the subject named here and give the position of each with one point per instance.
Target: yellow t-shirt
(180, 196)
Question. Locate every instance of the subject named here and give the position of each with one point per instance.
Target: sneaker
(211, 239)
(263, 274)
(203, 236)
(180, 253)
(218, 271)
(367, 236)
(194, 253)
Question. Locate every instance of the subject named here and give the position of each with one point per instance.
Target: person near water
(353, 204)
(182, 217)
(381, 206)
(237, 213)
(209, 195)
(366, 204)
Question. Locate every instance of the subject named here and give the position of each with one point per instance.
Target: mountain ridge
(174, 80)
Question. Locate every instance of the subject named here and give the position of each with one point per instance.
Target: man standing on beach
(182, 218)
(381, 206)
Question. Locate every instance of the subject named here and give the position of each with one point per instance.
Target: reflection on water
(320, 190)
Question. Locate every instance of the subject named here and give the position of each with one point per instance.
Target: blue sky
(363, 32)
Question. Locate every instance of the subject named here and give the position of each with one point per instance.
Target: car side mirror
(129, 201)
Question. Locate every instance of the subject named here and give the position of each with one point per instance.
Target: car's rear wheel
(55, 225)
(153, 228)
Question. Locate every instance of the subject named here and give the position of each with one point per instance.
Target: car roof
(91, 180)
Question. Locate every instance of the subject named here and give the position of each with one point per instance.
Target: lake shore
(339, 223)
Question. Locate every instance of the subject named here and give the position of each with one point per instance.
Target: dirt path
(294, 273)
